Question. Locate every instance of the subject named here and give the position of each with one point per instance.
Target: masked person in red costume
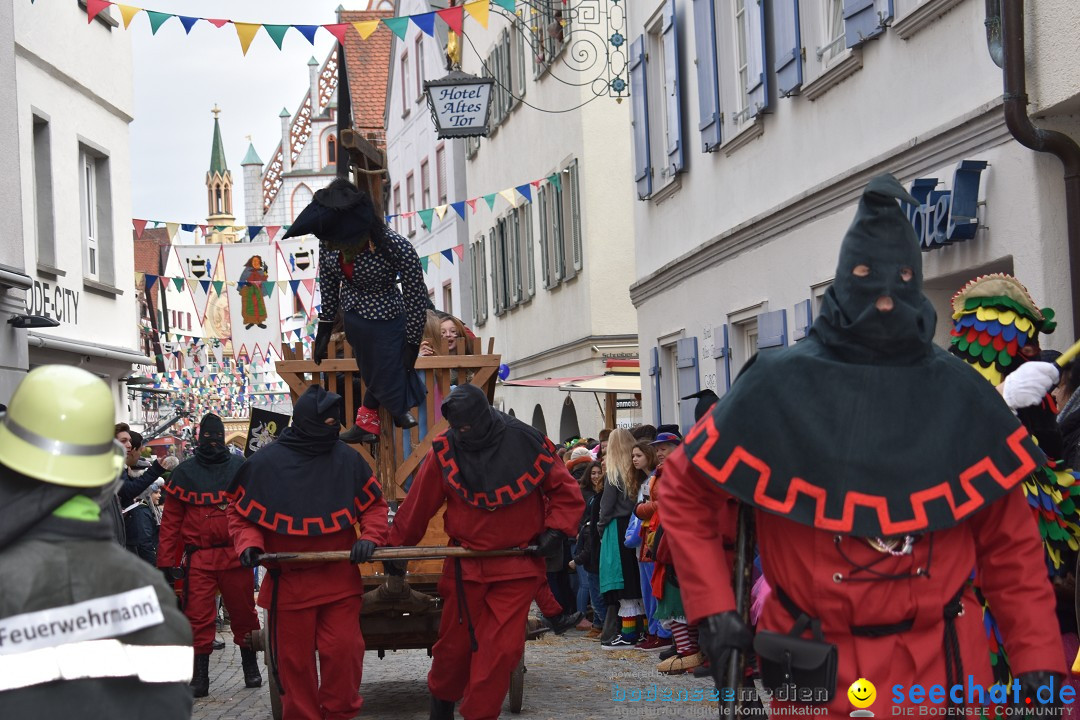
(307, 492)
(881, 470)
(194, 543)
(487, 469)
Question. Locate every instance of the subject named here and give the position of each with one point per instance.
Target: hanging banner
(253, 307)
(200, 265)
(300, 259)
(263, 429)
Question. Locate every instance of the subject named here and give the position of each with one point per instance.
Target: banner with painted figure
(253, 307)
(201, 266)
(299, 262)
(263, 429)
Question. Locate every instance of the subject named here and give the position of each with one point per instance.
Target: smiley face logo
(862, 694)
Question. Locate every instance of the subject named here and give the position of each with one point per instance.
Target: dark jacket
(142, 532)
(61, 563)
(1069, 424)
(588, 542)
(131, 486)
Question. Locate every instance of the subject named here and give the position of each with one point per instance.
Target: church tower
(219, 191)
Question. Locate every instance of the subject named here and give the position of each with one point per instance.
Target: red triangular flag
(453, 16)
(337, 30)
(472, 203)
(310, 284)
(459, 250)
(202, 229)
(93, 7)
(140, 225)
(272, 231)
(535, 184)
(216, 23)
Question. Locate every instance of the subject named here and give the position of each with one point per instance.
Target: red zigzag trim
(284, 524)
(196, 498)
(509, 493)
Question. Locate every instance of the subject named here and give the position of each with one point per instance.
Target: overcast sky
(179, 78)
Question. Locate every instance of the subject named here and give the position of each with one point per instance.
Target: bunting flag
(397, 25)
(366, 28)
(478, 11)
(454, 17)
(508, 196)
(425, 217)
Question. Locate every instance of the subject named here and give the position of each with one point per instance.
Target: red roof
(368, 65)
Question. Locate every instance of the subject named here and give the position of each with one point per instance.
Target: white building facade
(551, 274)
(424, 171)
(758, 124)
(75, 102)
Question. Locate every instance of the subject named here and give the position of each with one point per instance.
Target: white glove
(169, 463)
(1028, 384)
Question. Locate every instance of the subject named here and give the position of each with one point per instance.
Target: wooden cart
(398, 613)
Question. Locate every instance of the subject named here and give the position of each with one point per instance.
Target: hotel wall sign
(944, 217)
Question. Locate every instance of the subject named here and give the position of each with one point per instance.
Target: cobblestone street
(567, 677)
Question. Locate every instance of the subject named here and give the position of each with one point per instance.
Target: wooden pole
(392, 553)
(610, 410)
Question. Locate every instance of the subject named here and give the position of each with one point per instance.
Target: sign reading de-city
(461, 106)
(54, 302)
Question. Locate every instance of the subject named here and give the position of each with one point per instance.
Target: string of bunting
(453, 17)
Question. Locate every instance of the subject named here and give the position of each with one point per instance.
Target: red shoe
(651, 642)
(368, 420)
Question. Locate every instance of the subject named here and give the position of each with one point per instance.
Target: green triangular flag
(179, 282)
(555, 180)
(424, 262)
(156, 19)
(219, 285)
(425, 217)
(507, 5)
(399, 25)
(490, 200)
(268, 287)
(276, 33)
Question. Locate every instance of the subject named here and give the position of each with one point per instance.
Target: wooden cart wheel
(275, 692)
(517, 686)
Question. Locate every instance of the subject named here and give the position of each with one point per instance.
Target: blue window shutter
(865, 20)
(707, 76)
(639, 103)
(673, 82)
(787, 44)
(689, 380)
(804, 318)
(654, 373)
(963, 210)
(757, 83)
(772, 329)
(722, 355)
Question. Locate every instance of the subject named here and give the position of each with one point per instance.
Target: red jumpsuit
(318, 609)
(498, 591)
(1000, 541)
(212, 566)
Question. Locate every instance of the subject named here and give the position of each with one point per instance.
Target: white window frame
(817, 295)
(425, 184)
(742, 335)
(404, 67)
(656, 78)
(418, 45)
(440, 173)
(832, 49)
(410, 200)
(90, 229)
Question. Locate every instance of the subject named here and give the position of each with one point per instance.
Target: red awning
(549, 382)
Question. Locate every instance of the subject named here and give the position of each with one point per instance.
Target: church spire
(217, 148)
(219, 190)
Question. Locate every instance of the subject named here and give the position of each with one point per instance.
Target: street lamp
(460, 104)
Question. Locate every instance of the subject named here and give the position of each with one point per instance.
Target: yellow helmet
(59, 429)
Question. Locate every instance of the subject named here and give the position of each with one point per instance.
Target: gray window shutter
(545, 231)
(496, 276)
(528, 261)
(512, 232)
(707, 74)
(865, 20)
(558, 230)
(772, 329)
(722, 355)
(474, 251)
(654, 373)
(639, 105)
(787, 45)
(757, 82)
(575, 216)
(673, 82)
(803, 320)
(689, 380)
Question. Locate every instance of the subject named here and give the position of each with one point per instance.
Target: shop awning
(78, 347)
(618, 384)
(550, 382)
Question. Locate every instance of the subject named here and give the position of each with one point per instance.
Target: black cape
(199, 483)
(866, 428)
(308, 482)
(498, 460)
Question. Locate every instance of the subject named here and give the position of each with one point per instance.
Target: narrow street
(567, 677)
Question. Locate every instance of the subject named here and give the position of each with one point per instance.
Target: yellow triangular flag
(440, 210)
(479, 11)
(436, 259)
(509, 196)
(140, 277)
(171, 228)
(246, 32)
(127, 12)
(366, 28)
(193, 283)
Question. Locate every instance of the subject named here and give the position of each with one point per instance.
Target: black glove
(550, 543)
(408, 355)
(719, 636)
(250, 557)
(395, 568)
(172, 574)
(322, 341)
(361, 551)
(1030, 682)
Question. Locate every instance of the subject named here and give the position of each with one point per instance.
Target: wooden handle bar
(392, 553)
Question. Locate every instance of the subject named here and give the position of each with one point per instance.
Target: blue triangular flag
(425, 22)
(150, 280)
(294, 285)
(449, 255)
(254, 230)
(526, 191)
(459, 208)
(307, 31)
(187, 22)
(205, 286)
(188, 227)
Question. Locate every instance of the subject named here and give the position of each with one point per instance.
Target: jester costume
(996, 325)
(880, 470)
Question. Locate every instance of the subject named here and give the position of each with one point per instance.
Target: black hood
(473, 423)
(212, 450)
(882, 239)
(340, 215)
(309, 432)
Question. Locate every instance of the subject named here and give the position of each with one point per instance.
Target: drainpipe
(1027, 134)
